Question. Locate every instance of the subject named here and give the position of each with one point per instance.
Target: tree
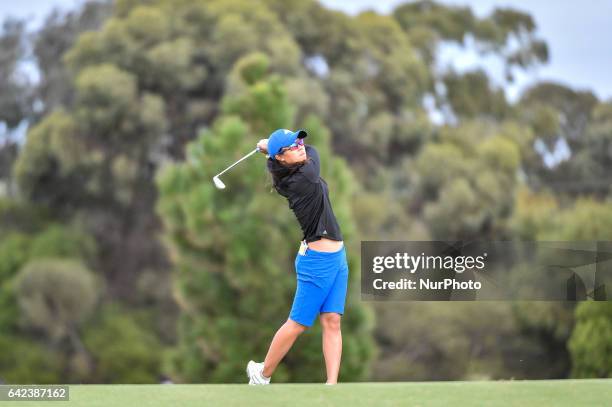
(562, 330)
(14, 86)
(376, 94)
(561, 116)
(28, 362)
(18, 248)
(51, 42)
(590, 341)
(471, 195)
(448, 341)
(122, 350)
(56, 296)
(92, 165)
(507, 33)
(15, 97)
(471, 95)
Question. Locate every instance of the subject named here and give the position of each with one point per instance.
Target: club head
(218, 183)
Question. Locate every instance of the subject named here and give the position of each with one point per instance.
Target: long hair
(281, 172)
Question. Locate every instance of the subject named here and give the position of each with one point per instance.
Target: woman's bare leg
(332, 344)
(281, 343)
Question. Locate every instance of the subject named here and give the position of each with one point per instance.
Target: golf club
(218, 183)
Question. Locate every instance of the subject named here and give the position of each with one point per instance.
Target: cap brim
(301, 134)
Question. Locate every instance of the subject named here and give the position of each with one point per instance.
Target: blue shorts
(322, 279)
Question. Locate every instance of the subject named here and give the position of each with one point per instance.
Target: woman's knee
(295, 327)
(331, 321)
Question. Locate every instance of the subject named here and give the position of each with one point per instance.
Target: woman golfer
(320, 264)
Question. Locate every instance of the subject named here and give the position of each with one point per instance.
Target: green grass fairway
(596, 392)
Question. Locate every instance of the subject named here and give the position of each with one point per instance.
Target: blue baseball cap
(283, 138)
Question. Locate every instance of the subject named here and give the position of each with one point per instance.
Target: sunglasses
(294, 146)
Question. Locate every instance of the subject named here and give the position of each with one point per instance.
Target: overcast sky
(579, 36)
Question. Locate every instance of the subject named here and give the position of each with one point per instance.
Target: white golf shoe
(255, 373)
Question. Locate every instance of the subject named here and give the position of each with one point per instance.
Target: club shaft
(234, 164)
